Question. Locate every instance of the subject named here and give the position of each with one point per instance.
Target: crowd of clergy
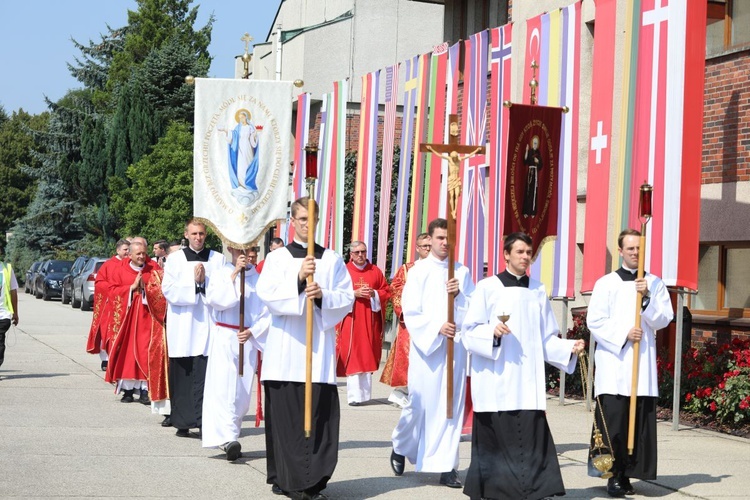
(187, 332)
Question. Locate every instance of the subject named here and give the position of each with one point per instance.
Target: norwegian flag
(470, 223)
(498, 151)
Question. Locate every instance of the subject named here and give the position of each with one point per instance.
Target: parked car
(48, 281)
(67, 284)
(83, 284)
(28, 286)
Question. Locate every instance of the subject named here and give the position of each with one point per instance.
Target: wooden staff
(644, 216)
(454, 153)
(311, 172)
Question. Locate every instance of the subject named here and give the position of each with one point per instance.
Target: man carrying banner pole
(300, 464)
(618, 344)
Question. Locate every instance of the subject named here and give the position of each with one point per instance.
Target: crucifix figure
(455, 153)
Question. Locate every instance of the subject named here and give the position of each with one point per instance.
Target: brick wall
(726, 115)
(718, 334)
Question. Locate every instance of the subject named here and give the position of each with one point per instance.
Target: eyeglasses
(357, 252)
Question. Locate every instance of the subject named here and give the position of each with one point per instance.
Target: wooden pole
(637, 344)
(310, 305)
(451, 302)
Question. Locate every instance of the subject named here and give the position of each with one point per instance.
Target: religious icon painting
(533, 147)
(241, 155)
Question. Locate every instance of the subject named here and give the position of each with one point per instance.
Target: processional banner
(241, 156)
(533, 170)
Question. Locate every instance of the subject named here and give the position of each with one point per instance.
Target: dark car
(28, 286)
(83, 284)
(67, 284)
(48, 281)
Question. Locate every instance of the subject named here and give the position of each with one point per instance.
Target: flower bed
(714, 389)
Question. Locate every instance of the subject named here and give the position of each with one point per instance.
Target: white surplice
(188, 315)
(423, 434)
(285, 342)
(611, 314)
(511, 376)
(227, 396)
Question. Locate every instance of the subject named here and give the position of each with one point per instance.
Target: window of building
(728, 25)
(723, 280)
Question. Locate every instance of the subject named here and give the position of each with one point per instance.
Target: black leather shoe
(128, 397)
(233, 449)
(167, 422)
(397, 463)
(625, 483)
(104, 366)
(276, 490)
(614, 488)
(318, 496)
(450, 479)
(183, 433)
(144, 397)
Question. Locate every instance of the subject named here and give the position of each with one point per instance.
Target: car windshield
(59, 266)
(98, 265)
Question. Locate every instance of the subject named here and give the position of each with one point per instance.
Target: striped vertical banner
(364, 187)
(417, 175)
(451, 108)
(600, 142)
(435, 131)
(470, 223)
(386, 172)
(325, 142)
(669, 123)
(558, 76)
(301, 135)
(341, 94)
(500, 91)
(407, 144)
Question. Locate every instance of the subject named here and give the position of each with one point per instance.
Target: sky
(36, 46)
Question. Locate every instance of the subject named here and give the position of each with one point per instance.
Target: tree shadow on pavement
(568, 447)
(350, 445)
(369, 487)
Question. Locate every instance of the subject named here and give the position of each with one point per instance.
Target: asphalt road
(65, 434)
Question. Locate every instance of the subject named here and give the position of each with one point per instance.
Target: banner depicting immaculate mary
(241, 156)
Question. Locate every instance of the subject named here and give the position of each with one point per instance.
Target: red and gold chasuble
(396, 368)
(359, 340)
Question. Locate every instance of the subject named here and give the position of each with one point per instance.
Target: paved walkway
(64, 433)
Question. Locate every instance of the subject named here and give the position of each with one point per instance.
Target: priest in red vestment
(132, 323)
(397, 364)
(360, 334)
(98, 340)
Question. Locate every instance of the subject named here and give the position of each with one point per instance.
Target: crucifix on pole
(455, 153)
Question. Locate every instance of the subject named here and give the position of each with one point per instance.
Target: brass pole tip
(299, 83)
(190, 80)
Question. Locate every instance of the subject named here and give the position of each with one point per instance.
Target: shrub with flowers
(717, 381)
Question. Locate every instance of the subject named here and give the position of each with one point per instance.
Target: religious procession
(431, 226)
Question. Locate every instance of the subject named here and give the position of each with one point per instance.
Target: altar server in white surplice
(298, 466)
(611, 319)
(512, 451)
(227, 396)
(186, 276)
(423, 434)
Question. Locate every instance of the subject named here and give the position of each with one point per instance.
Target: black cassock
(513, 455)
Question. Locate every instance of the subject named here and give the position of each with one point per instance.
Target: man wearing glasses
(397, 364)
(360, 334)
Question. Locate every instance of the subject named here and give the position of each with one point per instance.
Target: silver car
(83, 284)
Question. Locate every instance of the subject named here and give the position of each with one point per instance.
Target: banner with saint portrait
(532, 173)
(241, 156)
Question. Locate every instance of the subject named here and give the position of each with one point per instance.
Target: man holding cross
(423, 434)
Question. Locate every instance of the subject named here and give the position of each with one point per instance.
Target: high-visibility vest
(5, 284)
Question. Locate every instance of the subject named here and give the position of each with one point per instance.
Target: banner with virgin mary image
(531, 197)
(241, 156)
